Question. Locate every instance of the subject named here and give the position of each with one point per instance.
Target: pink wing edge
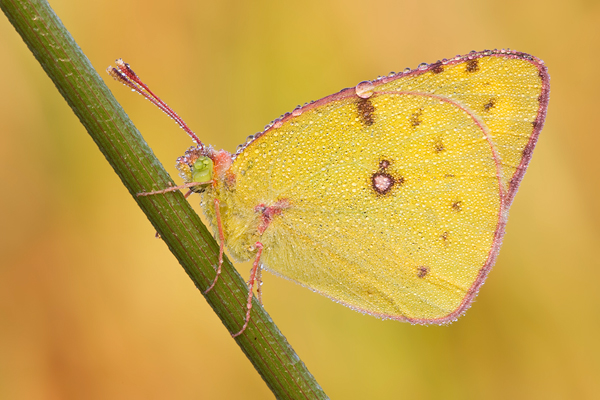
(506, 202)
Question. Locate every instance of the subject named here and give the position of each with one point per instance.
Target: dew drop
(297, 111)
(364, 89)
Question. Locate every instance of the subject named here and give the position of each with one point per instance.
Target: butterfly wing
(396, 203)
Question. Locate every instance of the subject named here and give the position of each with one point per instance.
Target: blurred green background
(93, 306)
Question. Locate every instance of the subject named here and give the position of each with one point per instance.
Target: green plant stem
(170, 214)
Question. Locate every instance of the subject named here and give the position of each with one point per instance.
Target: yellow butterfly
(390, 197)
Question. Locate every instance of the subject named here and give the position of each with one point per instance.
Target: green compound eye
(202, 170)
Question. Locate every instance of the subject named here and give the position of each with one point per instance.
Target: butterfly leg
(221, 245)
(259, 285)
(267, 213)
(189, 192)
(173, 189)
(255, 271)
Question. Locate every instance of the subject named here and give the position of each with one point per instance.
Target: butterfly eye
(202, 170)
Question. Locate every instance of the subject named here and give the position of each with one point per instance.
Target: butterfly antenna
(124, 74)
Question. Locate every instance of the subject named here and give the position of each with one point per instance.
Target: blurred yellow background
(93, 306)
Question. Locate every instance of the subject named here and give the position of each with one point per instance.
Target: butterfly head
(205, 166)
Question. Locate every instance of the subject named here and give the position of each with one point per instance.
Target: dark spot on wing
(385, 179)
(444, 236)
(382, 182)
(457, 206)
(422, 271)
(489, 105)
(415, 118)
(438, 146)
(437, 68)
(472, 65)
(528, 149)
(365, 111)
